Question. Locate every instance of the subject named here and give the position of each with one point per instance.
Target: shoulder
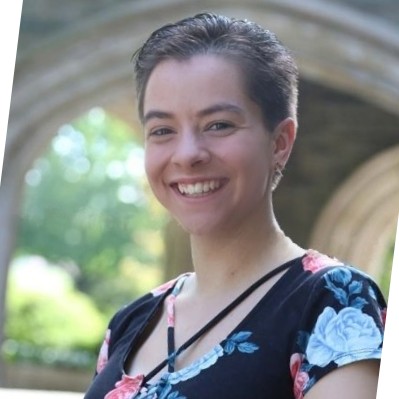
(130, 319)
(321, 270)
(342, 319)
(140, 309)
(324, 287)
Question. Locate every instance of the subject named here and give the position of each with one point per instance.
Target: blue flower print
(161, 390)
(238, 341)
(206, 361)
(343, 337)
(346, 290)
(167, 394)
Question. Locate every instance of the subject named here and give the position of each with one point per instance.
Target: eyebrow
(157, 114)
(221, 107)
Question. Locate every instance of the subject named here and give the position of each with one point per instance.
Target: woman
(260, 317)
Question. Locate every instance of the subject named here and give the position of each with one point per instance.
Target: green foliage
(44, 308)
(87, 206)
(15, 351)
(48, 318)
(87, 211)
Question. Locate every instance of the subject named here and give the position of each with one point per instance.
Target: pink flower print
(163, 288)
(314, 261)
(300, 378)
(126, 387)
(166, 286)
(103, 355)
(170, 310)
(384, 316)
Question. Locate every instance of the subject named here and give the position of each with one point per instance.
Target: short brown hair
(270, 73)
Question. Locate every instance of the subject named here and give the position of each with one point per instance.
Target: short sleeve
(103, 354)
(343, 322)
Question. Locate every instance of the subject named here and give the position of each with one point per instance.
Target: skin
(213, 135)
(210, 161)
(354, 381)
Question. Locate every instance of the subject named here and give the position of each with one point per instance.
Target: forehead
(199, 77)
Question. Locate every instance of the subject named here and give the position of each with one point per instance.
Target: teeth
(198, 188)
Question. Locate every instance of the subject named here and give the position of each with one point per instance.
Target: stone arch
(89, 65)
(358, 224)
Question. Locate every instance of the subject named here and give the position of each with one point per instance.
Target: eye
(220, 126)
(159, 132)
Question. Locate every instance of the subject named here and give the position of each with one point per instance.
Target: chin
(195, 230)
(198, 228)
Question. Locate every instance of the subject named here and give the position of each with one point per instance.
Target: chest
(173, 328)
(253, 357)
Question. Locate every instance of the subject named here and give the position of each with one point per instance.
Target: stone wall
(29, 376)
(337, 133)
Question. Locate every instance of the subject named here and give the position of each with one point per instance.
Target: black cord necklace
(173, 353)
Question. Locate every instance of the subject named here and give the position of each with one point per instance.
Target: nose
(190, 150)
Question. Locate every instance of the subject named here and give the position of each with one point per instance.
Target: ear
(284, 137)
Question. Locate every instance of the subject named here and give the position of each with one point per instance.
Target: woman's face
(209, 157)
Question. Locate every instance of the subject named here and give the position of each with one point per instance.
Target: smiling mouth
(199, 188)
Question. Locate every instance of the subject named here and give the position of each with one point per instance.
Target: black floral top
(320, 315)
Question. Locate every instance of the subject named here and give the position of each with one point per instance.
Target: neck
(235, 259)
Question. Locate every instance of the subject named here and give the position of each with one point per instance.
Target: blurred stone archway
(339, 48)
(359, 221)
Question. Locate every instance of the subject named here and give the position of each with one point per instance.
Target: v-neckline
(175, 290)
(170, 320)
(171, 316)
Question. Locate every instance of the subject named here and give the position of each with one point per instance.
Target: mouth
(198, 189)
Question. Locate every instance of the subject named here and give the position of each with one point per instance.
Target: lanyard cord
(172, 353)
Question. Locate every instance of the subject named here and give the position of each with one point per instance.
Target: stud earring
(277, 175)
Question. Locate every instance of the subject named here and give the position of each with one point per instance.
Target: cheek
(154, 164)
(257, 169)
(251, 159)
(150, 166)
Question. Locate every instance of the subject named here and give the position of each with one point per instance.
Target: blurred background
(81, 234)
